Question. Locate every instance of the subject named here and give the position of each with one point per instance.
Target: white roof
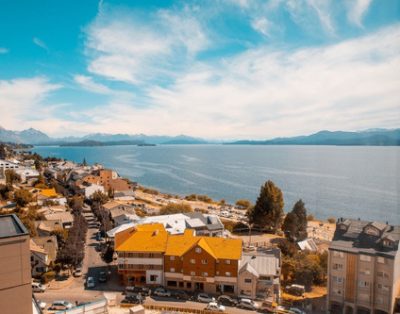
(196, 222)
(307, 244)
(264, 265)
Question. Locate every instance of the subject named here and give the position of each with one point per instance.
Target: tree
(173, 208)
(3, 151)
(76, 204)
(243, 204)
(268, 211)
(295, 223)
(84, 163)
(22, 197)
(12, 177)
(99, 197)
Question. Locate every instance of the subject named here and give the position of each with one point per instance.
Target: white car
(90, 282)
(78, 272)
(38, 287)
(41, 304)
(248, 304)
(205, 298)
(60, 305)
(215, 307)
(161, 292)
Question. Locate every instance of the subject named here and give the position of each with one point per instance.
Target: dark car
(227, 300)
(134, 290)
(103, 276)
(180, 295)
(133, 299)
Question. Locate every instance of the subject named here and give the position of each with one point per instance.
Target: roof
(211, 222)
(49, 192)
(307, 244)
(143, 238)
(354, 239)
(11, 226)
(111, 204)
(263, 264)
(65, 217)
(247, 267)
(49, 225)
(36, 248)
(219, 248)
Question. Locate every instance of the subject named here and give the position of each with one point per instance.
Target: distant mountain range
(36, 137)
(373, 137)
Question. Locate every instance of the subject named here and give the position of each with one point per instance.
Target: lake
(333, 181)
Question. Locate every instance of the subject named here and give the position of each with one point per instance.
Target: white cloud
(3, 50)
(22, 101)
(129, 50)
(356, 11)
(87, 83)
(262, 25)
(40, 43)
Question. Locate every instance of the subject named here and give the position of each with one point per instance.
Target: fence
(174, 309)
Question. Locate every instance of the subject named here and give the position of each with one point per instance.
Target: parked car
(42, 305)
(133, 299)
(227, 300)
(215, 307)
(180, 295)
(204, 298)
(248, 304)
(268, 306)
(90, 283)
(78, 272)
(60, 305)
(161, 292)
(297, 290)
(134, 290)
(38, 287)
(295, 310)
(103, 276)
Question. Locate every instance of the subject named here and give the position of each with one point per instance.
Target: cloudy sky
(225, 69)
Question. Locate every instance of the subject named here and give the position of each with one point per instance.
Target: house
(90, 189)
(364, 267)
(308, 245)
(5, 164)
(15, 274)
(109, 180)
(128, 195)
(43, 252)
(66, 218)
(149, 255)
(259, 274)
(47, 228)
(27, 174)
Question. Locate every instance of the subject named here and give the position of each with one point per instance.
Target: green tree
(84, 163)
(99, 197)
(268, 211)
(295, 223)
(173, 208)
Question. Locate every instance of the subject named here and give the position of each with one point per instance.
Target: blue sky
(215, 69)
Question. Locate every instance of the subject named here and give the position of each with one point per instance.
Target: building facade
(15, 267)
(364, 268)
(149, 255)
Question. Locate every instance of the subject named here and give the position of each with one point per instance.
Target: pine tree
(268, 211)
(295, 223)
(84, 163)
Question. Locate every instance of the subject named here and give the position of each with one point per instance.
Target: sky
(217, 69)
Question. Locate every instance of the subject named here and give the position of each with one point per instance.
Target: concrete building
(259, 274)
(15, 267)
(364, 268)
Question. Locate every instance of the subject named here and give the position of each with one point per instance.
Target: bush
(331, 220)
(49, 276)
(310, 217)
(243, 204)
(173, 208)
(240, 227)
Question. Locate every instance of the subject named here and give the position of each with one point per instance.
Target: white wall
(159, 275)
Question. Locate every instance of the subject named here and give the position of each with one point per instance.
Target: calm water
(332, 181)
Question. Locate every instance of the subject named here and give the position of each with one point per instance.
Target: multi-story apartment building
(364, 268)
(199, 263)
(148, 255)
(15, 267)
(141, 254)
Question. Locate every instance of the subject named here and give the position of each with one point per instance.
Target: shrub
(310, 217)
(331, 220)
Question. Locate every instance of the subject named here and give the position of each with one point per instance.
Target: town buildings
(149, 255)
(15, 267)
(364, 267)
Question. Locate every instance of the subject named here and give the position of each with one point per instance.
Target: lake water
(332, 181)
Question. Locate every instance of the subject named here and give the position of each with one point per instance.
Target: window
(338, 254)
(192, 261)
(365, 258)
(363, 284)
(381, 260)
(337, 291)
(336, 279)
(204, 261)
(198, 250)
(228, 274)
(192, 273)
(153, 277)
(247, 280)
(337, 266)
(228, 261)
(172, 258)
(365, 271)
(172, 270)
(204, 274)
(382, 274)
